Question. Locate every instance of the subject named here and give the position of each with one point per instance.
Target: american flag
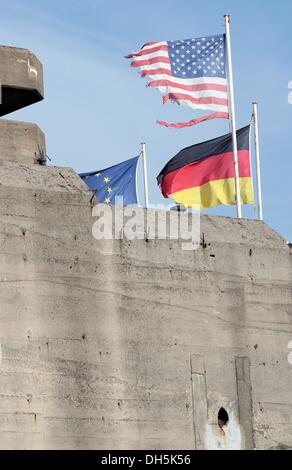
(190, 72)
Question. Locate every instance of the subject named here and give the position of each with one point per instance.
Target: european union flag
(113, 182)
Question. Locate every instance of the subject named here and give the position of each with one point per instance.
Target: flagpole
(232, 116)
(258, 164)
(144, 156)
(136, 177)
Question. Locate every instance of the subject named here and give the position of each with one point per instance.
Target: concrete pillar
(200, 406)
(21, 84)
(21, 142)
(244, 392)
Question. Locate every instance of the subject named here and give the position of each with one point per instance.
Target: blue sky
(97, 110)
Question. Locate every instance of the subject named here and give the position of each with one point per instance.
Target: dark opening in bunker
(223, 418)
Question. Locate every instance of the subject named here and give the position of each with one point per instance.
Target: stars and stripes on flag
(190, 72)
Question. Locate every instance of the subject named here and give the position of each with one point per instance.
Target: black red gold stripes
(203, 175)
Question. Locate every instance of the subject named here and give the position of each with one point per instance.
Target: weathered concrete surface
(98, 350)
(21, 141)
(244, 392)
(21, 77)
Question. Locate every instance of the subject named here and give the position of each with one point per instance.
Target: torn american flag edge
(190, 72)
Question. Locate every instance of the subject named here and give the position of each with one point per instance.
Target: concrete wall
(141, 348)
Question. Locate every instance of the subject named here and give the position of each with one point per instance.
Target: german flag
(203, 175)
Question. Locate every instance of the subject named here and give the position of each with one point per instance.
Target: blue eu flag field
(117, 181)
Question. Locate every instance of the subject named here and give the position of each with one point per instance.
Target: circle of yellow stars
(109, 189)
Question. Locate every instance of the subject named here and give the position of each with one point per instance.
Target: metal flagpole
(144, 156)
(258, 164)
(137, 185)
(232, 116)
